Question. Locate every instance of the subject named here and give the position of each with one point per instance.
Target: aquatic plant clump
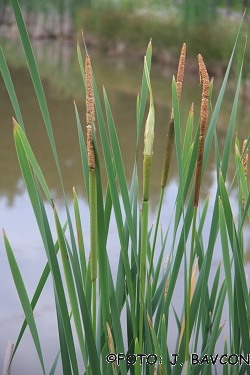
(120, 324)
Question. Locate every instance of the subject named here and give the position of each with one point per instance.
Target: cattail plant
(204, 78)
(203, 125)
(131, 297)
(147, 165)
(169, 145)
(170, 136)
(90, 119)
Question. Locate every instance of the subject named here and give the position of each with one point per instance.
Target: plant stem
(156, 231)
(191, 260)
(144, 239)
(93, 222)
(147, 164)
(94, 308)
(93, 238)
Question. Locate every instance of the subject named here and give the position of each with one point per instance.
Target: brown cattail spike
(205, 95)
(203, 125)
(180, 75)
(244, 162)
(180, 72)
(90, 112)
(170, 139)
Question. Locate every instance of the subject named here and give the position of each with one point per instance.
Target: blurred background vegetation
(125, 26)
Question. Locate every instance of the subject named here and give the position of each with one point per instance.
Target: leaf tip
(149, 321)
(192, 108)
(15, 123)
(223, 324)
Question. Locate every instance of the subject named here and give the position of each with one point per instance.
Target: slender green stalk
(187, 315)
(79, 237)
(169, 149)
(147, 165)
(93, 222)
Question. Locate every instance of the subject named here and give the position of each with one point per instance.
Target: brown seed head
(180, 72)
(204, 78)
(90, 102)
(90, 112)
(180, 75)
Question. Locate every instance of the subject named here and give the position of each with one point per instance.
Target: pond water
(62, 84)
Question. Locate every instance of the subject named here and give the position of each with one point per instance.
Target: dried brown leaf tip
(15, 123)
(149, 321)
(192, 108)
(110, 338)
(245, 157)
(111, 343)
(90, 112)
(204, 78)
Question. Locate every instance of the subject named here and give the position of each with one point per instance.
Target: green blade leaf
(9, 85)
(24, 299)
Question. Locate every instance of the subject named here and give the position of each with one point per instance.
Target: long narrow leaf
(23, 296)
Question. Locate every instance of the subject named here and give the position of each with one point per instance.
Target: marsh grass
(134, 29)
(135, 310)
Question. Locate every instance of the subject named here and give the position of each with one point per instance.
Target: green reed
(134, 312)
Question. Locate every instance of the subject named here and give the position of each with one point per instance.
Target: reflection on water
(63, 84)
